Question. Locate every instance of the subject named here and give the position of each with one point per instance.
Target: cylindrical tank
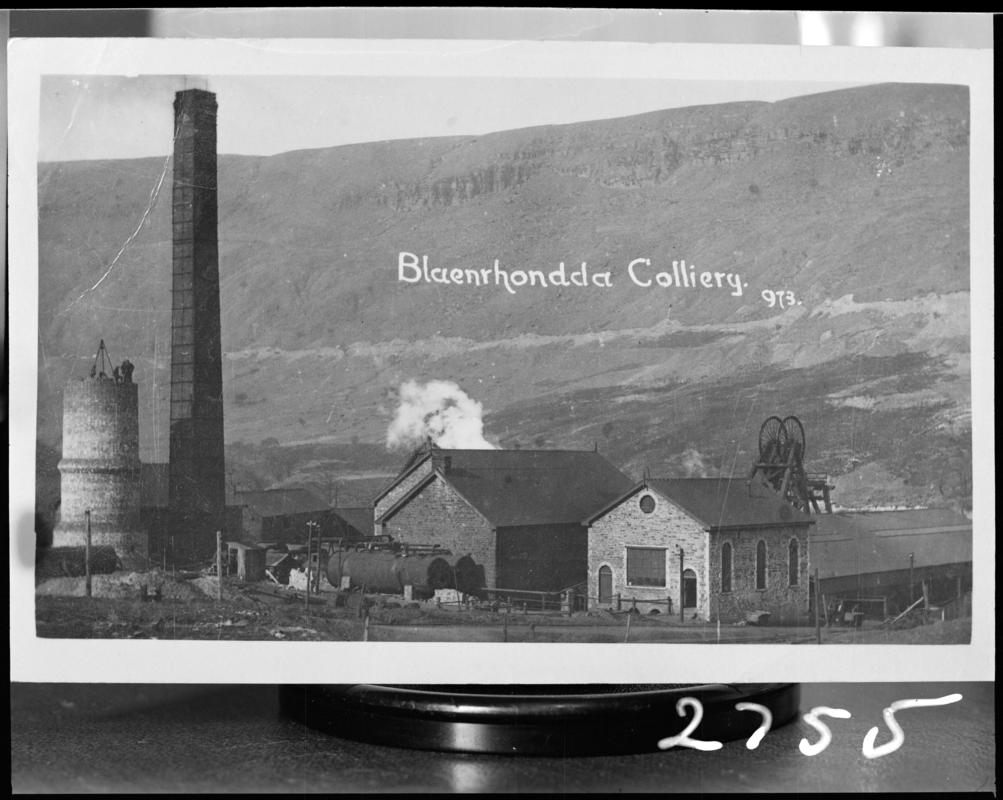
(100, 469)
(426, 573)
(469, 577)
(382, 571)
(376, 570)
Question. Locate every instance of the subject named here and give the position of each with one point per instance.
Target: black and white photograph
(410, 414)
(528, 383)
(504, 358)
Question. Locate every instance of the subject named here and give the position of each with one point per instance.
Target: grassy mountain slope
(856, 201)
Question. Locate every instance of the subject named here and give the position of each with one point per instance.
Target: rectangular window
(646, 566)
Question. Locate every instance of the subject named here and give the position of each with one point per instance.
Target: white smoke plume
(441, 411)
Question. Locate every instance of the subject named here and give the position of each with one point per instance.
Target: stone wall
(786, 603)
(406, 484)
(439, 515)
(667, 527)
(100, 469)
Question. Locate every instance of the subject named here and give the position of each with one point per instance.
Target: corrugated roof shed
(277, 502)
(531, 487)
(854, 543)
(729, 502)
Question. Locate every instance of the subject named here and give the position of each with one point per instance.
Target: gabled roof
(527, 487)
(720, 502)
(853, 543)
(276, 502)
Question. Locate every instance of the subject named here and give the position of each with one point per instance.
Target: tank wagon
(389, 572)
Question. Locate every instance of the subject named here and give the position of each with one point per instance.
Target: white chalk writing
(683, 739)
(898, 735)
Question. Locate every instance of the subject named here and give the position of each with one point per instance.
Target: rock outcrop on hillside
(854, 202)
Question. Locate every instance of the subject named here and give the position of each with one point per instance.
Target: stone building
(724, 547)
(517, 513)
(100, 469)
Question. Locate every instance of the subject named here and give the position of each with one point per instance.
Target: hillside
(855, 201)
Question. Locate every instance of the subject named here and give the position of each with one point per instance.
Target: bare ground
(256, 615)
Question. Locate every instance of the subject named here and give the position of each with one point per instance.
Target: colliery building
(724, 548)
(517, 513)
(281, 516)
(879, 561)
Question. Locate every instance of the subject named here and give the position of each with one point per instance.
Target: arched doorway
(605, 584)
(689, 589)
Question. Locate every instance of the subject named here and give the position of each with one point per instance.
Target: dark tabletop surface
(169, 738)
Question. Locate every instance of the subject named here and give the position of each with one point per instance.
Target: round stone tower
(100, 470)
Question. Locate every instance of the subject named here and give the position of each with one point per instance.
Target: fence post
(87, 555)
(619, 602)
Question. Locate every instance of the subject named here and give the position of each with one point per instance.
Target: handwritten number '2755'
(813, 718)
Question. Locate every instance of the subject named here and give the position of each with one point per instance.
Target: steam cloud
(439, 410)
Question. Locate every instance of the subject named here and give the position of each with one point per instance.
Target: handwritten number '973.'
(813, 718)
(779, 299)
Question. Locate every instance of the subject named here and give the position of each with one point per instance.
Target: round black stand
(537, 720)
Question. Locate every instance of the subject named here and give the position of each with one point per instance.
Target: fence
(621, 603)
(565, 601)
(529, 601)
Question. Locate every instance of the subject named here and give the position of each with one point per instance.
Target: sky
(99, 116)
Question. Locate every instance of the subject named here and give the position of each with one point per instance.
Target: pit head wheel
(795, 435)
(772, 439)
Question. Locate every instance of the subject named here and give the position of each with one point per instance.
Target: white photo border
(51, 660)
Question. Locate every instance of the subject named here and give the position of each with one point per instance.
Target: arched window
(793, 570)
(761, 564)
(726, 567)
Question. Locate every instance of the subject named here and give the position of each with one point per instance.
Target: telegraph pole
(309, 559)
(219, 566)
(912, 559)
(682, 590)
(87, 554)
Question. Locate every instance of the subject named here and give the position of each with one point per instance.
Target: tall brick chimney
(197, 472)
